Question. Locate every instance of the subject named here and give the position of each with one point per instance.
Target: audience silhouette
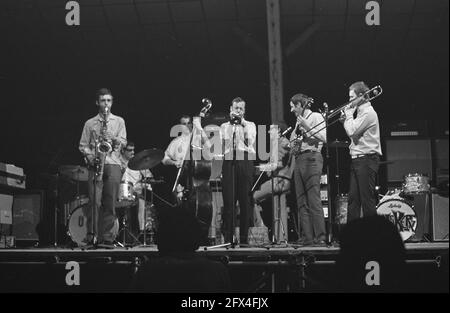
(179, 268)
(372, 257)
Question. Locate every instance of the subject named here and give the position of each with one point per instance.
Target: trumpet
(235, 118)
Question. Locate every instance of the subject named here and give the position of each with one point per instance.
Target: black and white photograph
(224, 152)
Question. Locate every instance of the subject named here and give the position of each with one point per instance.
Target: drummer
(136, 178)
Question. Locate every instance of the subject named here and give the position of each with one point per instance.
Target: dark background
(161, 57)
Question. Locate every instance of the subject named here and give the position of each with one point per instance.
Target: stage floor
(273, 269)
(413, 250)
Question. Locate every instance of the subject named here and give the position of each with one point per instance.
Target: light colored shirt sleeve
(122, 133)
(250, 134)
(319, 132)
(356, 127)
(84, 145)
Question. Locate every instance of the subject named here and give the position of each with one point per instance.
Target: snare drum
(126, 197)
(416, 184)
(401, 214)
(78, 227)
(341, 209)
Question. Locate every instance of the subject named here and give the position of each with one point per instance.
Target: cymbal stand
(144, 192)
(327, 157)
(56, 193)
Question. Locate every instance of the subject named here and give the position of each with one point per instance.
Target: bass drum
(78, 225)
(71, 206)
(401, 214)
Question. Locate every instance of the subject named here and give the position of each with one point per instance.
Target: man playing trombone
(306, 149)
(365, 151)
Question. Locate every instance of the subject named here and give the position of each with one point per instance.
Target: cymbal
(146, 159)
(339, 144)
(75, 172)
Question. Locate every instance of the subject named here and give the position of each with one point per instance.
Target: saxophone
(103, 146)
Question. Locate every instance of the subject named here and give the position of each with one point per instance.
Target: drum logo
(401, 215)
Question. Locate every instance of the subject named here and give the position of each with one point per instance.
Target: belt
(363, 155)
(281, 176)
(308, 151)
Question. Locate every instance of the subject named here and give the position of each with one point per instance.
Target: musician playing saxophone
(100, 143)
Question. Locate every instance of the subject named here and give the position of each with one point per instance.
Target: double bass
(191, 185)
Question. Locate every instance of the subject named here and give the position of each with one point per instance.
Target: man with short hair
(237, 169)
(308, 168)
(136, 178)
(105, 128)
(177, 149)
(365, 151)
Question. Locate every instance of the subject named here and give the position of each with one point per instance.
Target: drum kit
(77, 211)
(394, 205)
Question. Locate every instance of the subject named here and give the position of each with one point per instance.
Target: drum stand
(144, 192)
(126, 231)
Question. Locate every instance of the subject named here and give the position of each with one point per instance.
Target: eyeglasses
(129, 149)
(105, 100)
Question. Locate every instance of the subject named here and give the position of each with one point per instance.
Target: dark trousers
(363, 175)
(307, 172)
(243, 180)
(107, 192)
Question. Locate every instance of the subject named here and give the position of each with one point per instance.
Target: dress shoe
(320, 243)
(304, 242)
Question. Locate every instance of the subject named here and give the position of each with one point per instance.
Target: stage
(273, 268)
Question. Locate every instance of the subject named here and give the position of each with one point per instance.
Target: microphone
(286, 131)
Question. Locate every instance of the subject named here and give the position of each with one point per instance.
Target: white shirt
(315, 142)
(364, 131)
(245, 137)
(91, 131)
(178, 147)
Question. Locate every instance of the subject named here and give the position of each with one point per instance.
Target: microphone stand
(234, 241)
(93, 243)
(327, 157)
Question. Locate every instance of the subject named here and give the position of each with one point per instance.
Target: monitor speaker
(27, 210)
(440, 217)
(407, 156)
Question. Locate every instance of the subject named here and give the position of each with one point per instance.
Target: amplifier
(406, 156)
(408, 128)
(6, 203)
(440, 217)
(12, 176)
(27, 210)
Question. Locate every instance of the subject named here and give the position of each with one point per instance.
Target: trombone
(360, 100)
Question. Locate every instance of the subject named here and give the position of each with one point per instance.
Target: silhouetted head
(371, 248)
(178, 232)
